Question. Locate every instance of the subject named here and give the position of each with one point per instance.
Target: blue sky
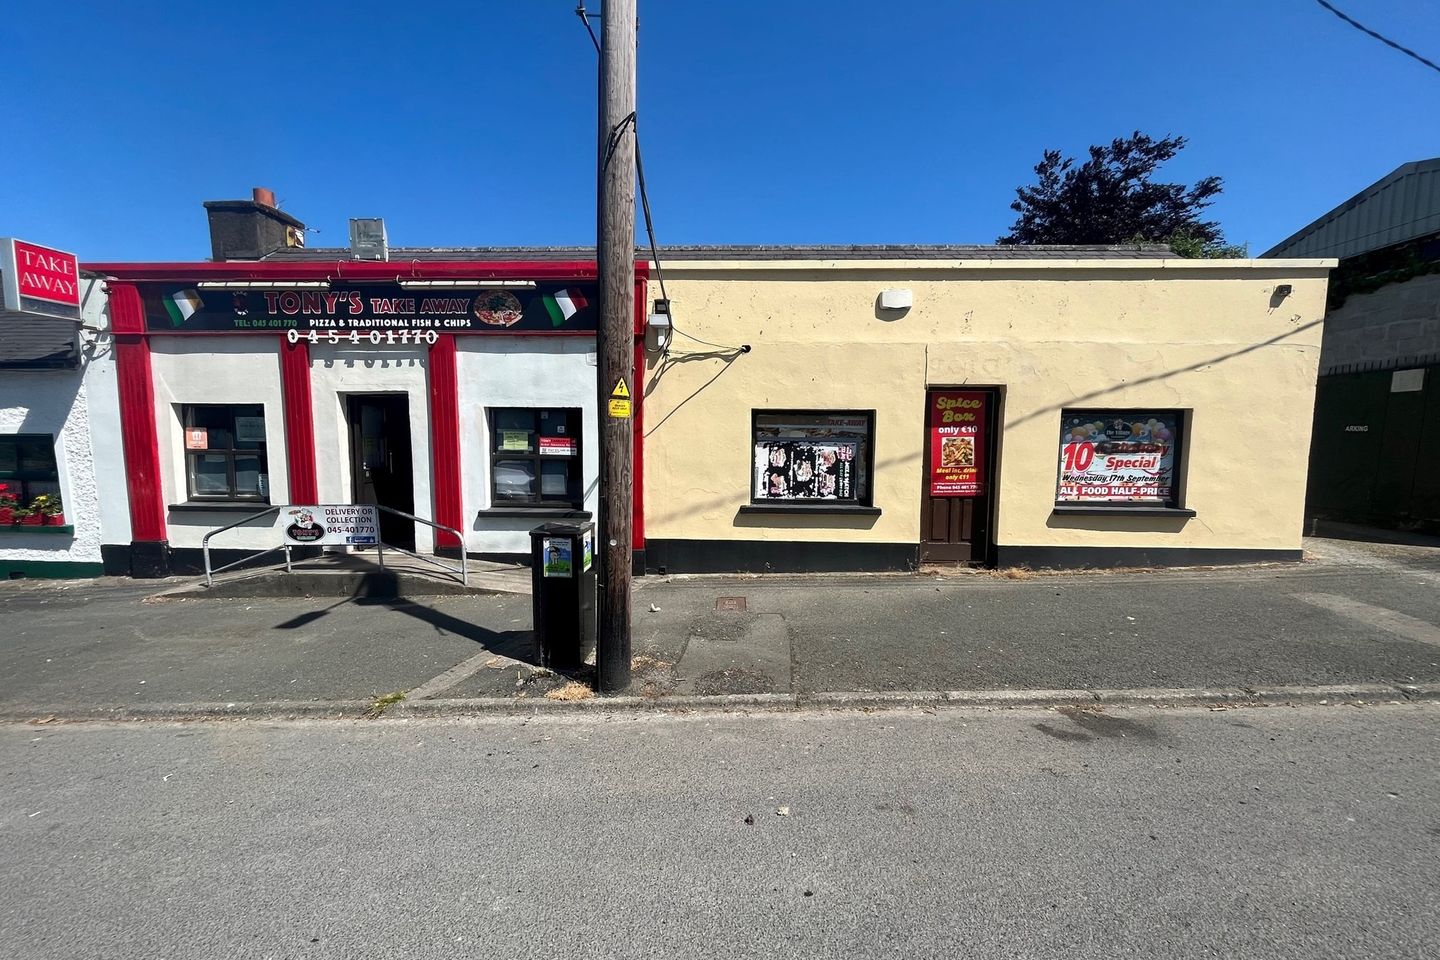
(764, 121)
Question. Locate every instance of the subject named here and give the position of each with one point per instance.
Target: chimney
(251, 229)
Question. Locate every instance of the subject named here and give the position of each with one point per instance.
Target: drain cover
(730, 603)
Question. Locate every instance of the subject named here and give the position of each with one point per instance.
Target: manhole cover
(730, 603)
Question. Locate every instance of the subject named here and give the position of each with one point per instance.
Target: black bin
(562, 573)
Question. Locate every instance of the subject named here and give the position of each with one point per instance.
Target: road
(1262, 832)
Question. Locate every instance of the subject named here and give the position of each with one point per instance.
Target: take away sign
(39, 279)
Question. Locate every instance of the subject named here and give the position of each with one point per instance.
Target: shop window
(808, 456)
(27, 468)
(225, 456)
(1120, 458)
(535, 457)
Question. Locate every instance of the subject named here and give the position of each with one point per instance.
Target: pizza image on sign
(304, 528)
(499, 308)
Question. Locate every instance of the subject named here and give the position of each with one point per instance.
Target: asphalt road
(1353, 614)
(1264, 832)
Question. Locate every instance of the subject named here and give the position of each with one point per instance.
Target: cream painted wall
(1207, 336)
(519, 372)
(216, 370)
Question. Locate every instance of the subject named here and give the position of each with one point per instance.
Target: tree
(1111, 198)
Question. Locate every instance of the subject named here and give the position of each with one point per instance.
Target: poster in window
(957, 443)
(197, 438)
(787, 469)
(557, 446)
(250, 429)
(1117, 458)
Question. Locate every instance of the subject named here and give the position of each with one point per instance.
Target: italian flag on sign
(181, 305)
(564, 304)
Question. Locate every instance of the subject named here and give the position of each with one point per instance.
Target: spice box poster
(957, 443)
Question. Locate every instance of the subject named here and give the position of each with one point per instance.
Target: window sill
(1099, 510)
(219, 506)
(812, 509)
(539, 510)
(26, 528)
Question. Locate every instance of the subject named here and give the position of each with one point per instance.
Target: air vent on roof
(367, 239)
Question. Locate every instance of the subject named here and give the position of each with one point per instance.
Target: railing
(461, 568)
(205, 546)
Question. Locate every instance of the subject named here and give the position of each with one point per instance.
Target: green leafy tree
(1113, 198)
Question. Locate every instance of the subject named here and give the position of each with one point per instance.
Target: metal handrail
(205, 546)
(463, 568)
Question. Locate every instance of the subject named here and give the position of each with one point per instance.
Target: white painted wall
(53, 402)
(519, 372)
(229, 369)
(102, 394)
(339, 370)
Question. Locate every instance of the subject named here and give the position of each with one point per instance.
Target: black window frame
(19, 479)
(867, 457)
(574, 428)
(187, 418)
(1174, 505)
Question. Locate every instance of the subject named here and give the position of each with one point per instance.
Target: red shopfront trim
(138, 436)
(637, 377)
(299, 421)
(445, 440)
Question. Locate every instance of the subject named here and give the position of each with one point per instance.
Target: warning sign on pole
(620, 400)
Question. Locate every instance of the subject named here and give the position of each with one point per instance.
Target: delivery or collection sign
(331, 525)
(1117, 459)
(957, 443)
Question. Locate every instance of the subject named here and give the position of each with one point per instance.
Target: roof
(1401, 206)
(44, 343)
(732, 252)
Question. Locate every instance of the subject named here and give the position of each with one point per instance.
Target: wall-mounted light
(264, 284)
(451, 284)
(895, 300)
(1283, 290)
(658, 330)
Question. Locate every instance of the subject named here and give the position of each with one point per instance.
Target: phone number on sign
(369, 336)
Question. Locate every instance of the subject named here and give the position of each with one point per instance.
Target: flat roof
(734, 252)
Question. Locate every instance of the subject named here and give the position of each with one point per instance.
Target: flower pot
(34, 520)
(54, 519)
(7, 516)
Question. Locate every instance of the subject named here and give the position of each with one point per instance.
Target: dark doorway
(380, 464)
(955, 527)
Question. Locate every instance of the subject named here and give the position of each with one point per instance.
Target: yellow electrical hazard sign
(620, 400)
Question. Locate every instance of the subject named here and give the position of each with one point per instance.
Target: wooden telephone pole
(615, 339)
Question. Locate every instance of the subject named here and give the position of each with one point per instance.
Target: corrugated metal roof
(1149, 251)
(1398, 207)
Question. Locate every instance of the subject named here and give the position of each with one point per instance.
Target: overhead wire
(1381, 37)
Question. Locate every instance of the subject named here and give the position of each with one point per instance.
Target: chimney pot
(263, 195)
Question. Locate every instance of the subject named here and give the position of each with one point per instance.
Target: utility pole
(615, 339)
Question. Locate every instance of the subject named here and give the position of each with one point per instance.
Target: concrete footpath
(1355, 620)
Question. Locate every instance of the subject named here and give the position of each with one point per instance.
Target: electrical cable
(1383, 39)
(615, 134)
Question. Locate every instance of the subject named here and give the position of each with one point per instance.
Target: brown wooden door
(956, 528)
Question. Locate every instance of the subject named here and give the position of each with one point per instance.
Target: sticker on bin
(556, 553)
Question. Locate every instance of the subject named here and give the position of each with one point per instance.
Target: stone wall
(1397, 325)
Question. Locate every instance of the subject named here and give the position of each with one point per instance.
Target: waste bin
(562, 573)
